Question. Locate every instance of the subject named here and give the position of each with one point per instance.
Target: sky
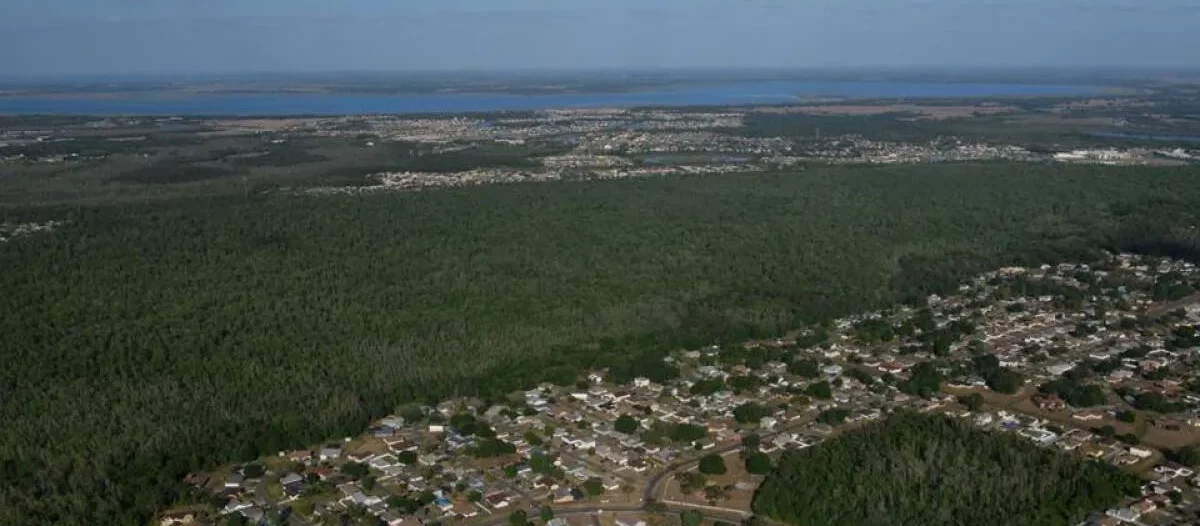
(117, 37)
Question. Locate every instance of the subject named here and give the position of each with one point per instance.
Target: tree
(626, 424)
(593, 487)
(367, 482)
(714, 494)
(924, 381)
(1188, 456)
(533, 439)
(475, 496)
(237, 520)
(1075, 393)
(753, 520)
(712, 464)
(407, 457)
(687, 432)
(1004, 380)
(691, 518)
(518, 518)
(833, 416)
(972, 402)
(691, 481)
(1127, 416)
(979, 478)
(547, 514)
(749, 413)
(492, 447)
(758, 464)
(751, 441)
(253, 471)
(863, 377)
(707, 387)
(1157, 402)
(355, 470)
(403, 504)
(219, 267)
(820, 390)
(805, 368)
(510, 471)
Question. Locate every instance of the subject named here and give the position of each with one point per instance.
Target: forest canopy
(932, 470)
(143, 342)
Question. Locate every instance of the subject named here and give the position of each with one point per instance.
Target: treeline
(145, 342)
(932, 470)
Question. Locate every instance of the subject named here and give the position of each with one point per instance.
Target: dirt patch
(990, 397)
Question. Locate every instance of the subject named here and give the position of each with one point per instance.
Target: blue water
(731, 93)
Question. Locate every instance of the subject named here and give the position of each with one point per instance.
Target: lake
(711, 94)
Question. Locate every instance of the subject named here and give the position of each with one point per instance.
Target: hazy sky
(51, 37)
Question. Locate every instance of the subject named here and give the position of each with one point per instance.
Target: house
(1124, 514)
(563, 495)
(1141, 452)
(253, 514)
(1049, 402)
(391, 518)
(235, 506)
(234, 481)
(1059, 369)
(768, 422)
(1143, 506)
(180, 520)
(330, 452)
(292, 483)
(1088, 416)
(464, 510)
(300, 456)
(382, 431)
(1041, 436)
(1120, 375)
(497, 500)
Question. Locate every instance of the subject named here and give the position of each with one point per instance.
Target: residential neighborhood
(1096, 360)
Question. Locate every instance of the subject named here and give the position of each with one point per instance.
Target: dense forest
(933, 470)
(142, 342)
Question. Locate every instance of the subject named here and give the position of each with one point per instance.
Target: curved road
(654, 487)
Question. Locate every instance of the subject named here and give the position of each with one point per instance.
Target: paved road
(615, 508)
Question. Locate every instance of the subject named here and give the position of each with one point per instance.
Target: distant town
(1098, 360)
(597, 143)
